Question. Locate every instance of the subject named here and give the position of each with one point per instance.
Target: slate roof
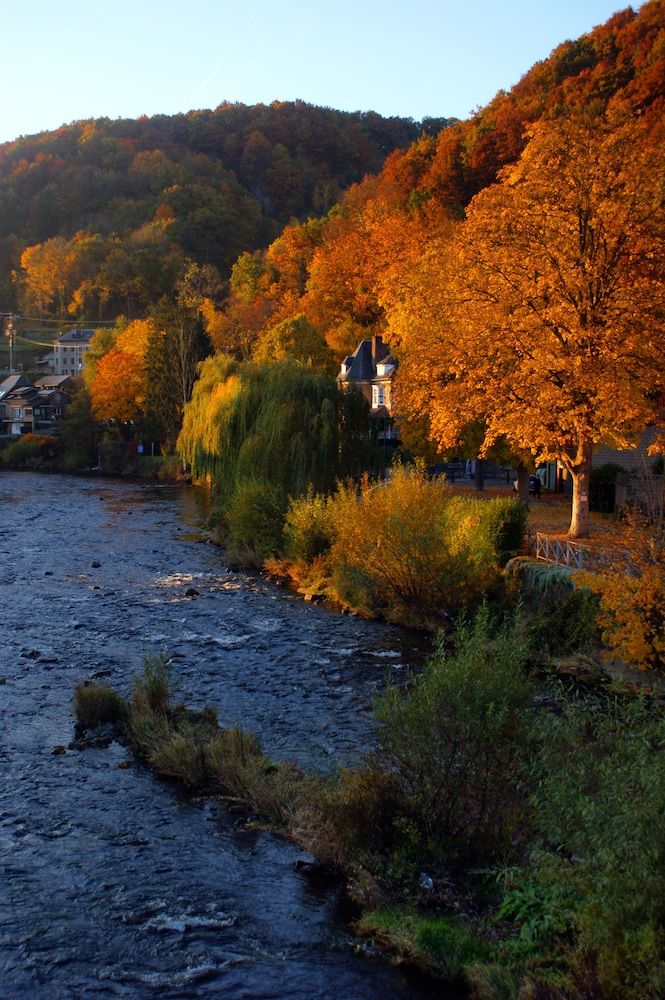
(361, 365)
(77, 335)
(51, 381)
(11, 383)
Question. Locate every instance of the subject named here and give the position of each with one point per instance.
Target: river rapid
(113, 884)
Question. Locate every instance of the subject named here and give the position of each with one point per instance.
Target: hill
(113, 208)
(332, 270)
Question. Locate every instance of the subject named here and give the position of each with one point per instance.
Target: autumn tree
(543, 317)
(176, 345)
(118, 388)
(47, 274)
(298, 340)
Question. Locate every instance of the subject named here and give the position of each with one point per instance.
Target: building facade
(69, 351)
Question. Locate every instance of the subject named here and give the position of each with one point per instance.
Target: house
(69, 351)
(371, 369)
(26, 408)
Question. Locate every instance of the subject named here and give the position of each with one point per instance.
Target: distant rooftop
(77, 335)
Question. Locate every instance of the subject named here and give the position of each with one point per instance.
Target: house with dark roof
(69, 351)
(371, 369)
(26, 408)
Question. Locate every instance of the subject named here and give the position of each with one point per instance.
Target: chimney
(376, 344)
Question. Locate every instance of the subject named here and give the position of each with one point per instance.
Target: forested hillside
(98, 216)
(514, 260)
(333, 270)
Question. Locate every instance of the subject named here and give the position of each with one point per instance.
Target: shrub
(308, 527)
(558, 615)
(598, 811)
(390, 555)
(254, 519)
(409, 550)
(97, 704)
(632, 600)
(151, 692)
(350, 817)
(505, 521)
(458, 743)
(32, 449)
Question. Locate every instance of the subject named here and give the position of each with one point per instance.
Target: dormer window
(378, 396)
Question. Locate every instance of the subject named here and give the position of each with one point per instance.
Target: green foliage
(97, 704)
(308, 527)
(298, 340)
(175, 347)
(599, 809)
(558, 616)
(408, 549)
(31, 450)
(282, 424)
(152, 690)
(80, 433)
(505, 521)
(441, 944)
(459, 741)
(450, 944)
(254, 520)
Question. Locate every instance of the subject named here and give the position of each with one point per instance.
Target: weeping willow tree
(281, 424)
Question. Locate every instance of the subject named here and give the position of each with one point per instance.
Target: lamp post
(10, 333)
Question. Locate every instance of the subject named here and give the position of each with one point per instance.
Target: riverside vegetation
(504, 834)
(492, 835)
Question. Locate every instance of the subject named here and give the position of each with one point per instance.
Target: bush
(97, 704)
(32, 450)
(347, 819)
(151, 692)
(558, 615)
(308, 527)
(390, 556)
(598, 811)
(254, 520)
(459, 742)
(632, 599)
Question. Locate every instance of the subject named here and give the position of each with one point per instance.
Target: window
(378, 396)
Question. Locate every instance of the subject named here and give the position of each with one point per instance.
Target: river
(112, 884)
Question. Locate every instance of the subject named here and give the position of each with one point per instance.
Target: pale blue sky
(64, 60)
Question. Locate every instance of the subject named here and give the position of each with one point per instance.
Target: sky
(73, 59)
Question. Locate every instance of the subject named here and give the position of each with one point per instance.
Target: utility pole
(10, 333)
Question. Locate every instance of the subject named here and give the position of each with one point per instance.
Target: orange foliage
(632, 604)
(542, 317)
(118, 388)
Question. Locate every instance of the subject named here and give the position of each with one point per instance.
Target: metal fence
(563, 552)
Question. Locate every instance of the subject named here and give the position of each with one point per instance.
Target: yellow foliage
(632, 603)
(134, 338)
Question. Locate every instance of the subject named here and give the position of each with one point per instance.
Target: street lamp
(10, 333)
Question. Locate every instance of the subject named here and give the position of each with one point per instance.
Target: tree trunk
(523, 483)
(580, 471)
(479, 477)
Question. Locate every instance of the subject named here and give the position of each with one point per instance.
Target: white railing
(561, 551)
